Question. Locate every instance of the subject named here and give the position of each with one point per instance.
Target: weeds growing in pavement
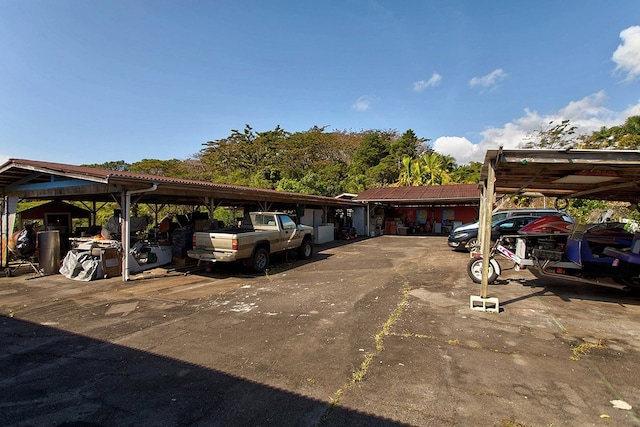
(584, 348)
(361, 372)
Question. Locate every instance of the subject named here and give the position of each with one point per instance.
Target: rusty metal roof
(439, 194)
(45, 180)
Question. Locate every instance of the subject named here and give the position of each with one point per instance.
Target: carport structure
(38, 180)
(609, 175)
(431, 203)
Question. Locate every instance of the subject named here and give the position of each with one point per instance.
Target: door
(292, 237)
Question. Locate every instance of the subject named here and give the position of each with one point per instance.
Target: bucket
(49, 251)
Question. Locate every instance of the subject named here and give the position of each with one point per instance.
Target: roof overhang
(611, 175)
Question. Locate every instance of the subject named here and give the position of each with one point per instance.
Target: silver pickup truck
(260, 235)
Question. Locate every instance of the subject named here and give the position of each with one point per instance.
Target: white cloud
(461, 149)
(627, 55)
(421, 85)
(587, 114)
(363, 103)
(490, 80)
(3, 159)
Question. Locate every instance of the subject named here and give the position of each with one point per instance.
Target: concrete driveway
(375, 332)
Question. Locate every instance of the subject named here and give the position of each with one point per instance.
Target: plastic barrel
(49, 251)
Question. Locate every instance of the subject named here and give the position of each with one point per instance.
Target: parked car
(496, 216)
(525, 212)
(465, 239)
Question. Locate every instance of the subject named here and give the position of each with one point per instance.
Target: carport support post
(487, 200)
(211, 207)
(126, 227)
(482, 302)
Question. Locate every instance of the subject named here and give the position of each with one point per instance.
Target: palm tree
(434, 170)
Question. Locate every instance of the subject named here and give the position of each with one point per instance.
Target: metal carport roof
(421, 195)
(31, 179)
(611, 175)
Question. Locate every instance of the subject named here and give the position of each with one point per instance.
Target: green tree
(118, 165)
(408, 174)
(374, 147)
(384, 173)
(242, 154)
(467, 174)
(357, 183)
(157, 167)
(408, 145)
(580, 209)
(435, 169)
(557, 136)
(624, 137)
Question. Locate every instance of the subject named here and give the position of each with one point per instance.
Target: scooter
(553, 247)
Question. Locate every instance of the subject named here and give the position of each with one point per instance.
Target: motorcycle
(600, 254)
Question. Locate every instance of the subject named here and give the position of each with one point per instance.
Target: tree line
(329, 163)
(315, 161)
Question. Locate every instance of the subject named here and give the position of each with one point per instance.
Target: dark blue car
(466, 239)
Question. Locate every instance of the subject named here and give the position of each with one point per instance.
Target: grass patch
(511, 423)
(585, 348)
(362, 371)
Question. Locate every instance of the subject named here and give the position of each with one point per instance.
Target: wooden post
(488, 197)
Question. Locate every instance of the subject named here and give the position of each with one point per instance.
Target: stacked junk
(91, 258)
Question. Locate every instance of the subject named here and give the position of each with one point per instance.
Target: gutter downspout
(126, 238)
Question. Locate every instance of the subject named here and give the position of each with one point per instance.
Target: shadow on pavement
(56, 378)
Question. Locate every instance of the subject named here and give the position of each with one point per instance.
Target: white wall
(360, 220)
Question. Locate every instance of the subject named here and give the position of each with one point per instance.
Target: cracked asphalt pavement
(371, 332)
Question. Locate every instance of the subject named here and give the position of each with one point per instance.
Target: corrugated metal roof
(424, 194)
(96, 174)
(18, 174)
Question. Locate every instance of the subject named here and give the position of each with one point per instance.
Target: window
(261, 219)
(287, 223)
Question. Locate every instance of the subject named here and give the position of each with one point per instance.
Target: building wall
(427, 217)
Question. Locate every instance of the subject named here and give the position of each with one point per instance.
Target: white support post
(126, 227)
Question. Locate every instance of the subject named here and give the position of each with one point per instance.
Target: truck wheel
(260, 260)
(474, 269)
(306, 249)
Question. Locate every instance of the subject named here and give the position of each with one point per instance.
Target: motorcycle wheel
(474, 269)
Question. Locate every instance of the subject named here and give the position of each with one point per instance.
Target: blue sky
(96, 81)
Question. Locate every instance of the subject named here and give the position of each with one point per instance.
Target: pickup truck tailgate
(213, 241)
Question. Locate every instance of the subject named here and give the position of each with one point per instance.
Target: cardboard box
(202, 225)
(111, 262)
(183, 261)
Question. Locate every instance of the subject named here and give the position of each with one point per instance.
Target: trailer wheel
(306, 249)
(474, 269)
(260, 260)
